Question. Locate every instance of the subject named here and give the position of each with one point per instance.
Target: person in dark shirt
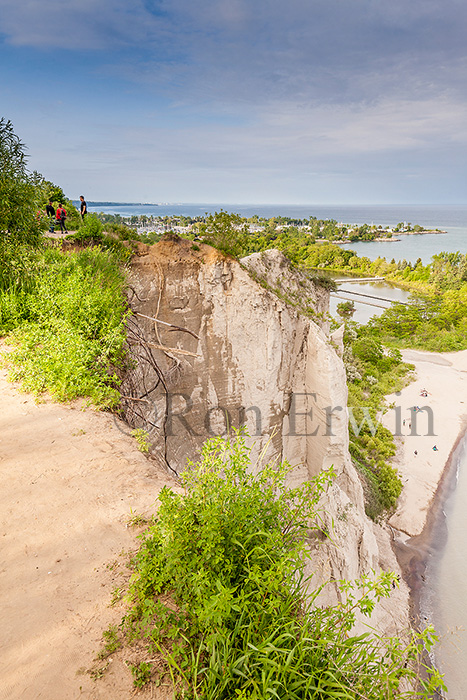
(50, 211)
(84, 207)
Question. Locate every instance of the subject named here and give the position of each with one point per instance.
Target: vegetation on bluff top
(65, 317)
(64, 311)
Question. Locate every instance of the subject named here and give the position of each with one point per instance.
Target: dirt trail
(70, 480)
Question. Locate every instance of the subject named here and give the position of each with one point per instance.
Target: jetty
(361, 279)
(369, 296)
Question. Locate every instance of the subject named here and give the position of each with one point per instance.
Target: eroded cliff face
(248, 356)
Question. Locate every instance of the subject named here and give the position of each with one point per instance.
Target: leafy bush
(218, 592)
(67, 325)
(227, 232)
(90, 230)
(124, 232)
(18, 192)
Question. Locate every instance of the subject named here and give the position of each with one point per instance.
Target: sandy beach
(444, 376)
(71, 480)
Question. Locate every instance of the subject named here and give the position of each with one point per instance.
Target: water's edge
(415, 554)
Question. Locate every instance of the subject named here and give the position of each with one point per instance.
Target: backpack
(62, 214)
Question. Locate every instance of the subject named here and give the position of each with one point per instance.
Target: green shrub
(19, 194)
(227, 232)
(218, 592)
(90, 230)
(67, 325)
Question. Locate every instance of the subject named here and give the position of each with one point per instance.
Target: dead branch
(171, 325)
(134, 398)
(176, 350)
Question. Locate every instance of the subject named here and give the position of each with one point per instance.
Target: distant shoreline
(117, 204)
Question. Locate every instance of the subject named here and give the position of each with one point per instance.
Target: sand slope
(70, 480)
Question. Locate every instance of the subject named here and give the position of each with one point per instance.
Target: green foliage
(448, 270)
(90, 230)
(346, 309)
(218, 593)
(19, 204)
(112, 642)
(372, 372)
(435, 322)
(141, 436)
(368, 350)
(66, 318)
(141, 673)
(124, 232)
(227, 232)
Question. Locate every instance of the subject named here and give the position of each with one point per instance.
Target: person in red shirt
(61, 218)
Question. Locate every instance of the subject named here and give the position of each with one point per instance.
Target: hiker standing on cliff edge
(84, 207)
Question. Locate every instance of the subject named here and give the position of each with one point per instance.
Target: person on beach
(50, 211)
(84, 207)
(61, 218)
(435, 449)
(415, 453)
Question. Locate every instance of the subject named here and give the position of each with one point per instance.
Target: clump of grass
(117, 595)
(112, 643)
(91, 229)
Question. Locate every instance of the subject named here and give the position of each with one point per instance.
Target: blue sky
(236, 101)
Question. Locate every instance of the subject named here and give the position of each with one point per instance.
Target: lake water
(446, 593)
(452, 219)
(445, 598)
(365, 305)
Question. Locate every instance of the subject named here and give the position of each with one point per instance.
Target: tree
(227, 232)
(346, 309)
(18, 190)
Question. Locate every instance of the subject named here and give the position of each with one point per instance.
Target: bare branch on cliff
(175, 350)
(171, 325)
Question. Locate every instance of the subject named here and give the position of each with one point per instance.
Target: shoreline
(391, 239)
(414, 554)
(437, 423)
(430, 477)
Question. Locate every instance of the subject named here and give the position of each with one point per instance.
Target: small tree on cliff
(227, 232)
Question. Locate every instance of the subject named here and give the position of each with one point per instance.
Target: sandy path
(444, 376)
(70, 480)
